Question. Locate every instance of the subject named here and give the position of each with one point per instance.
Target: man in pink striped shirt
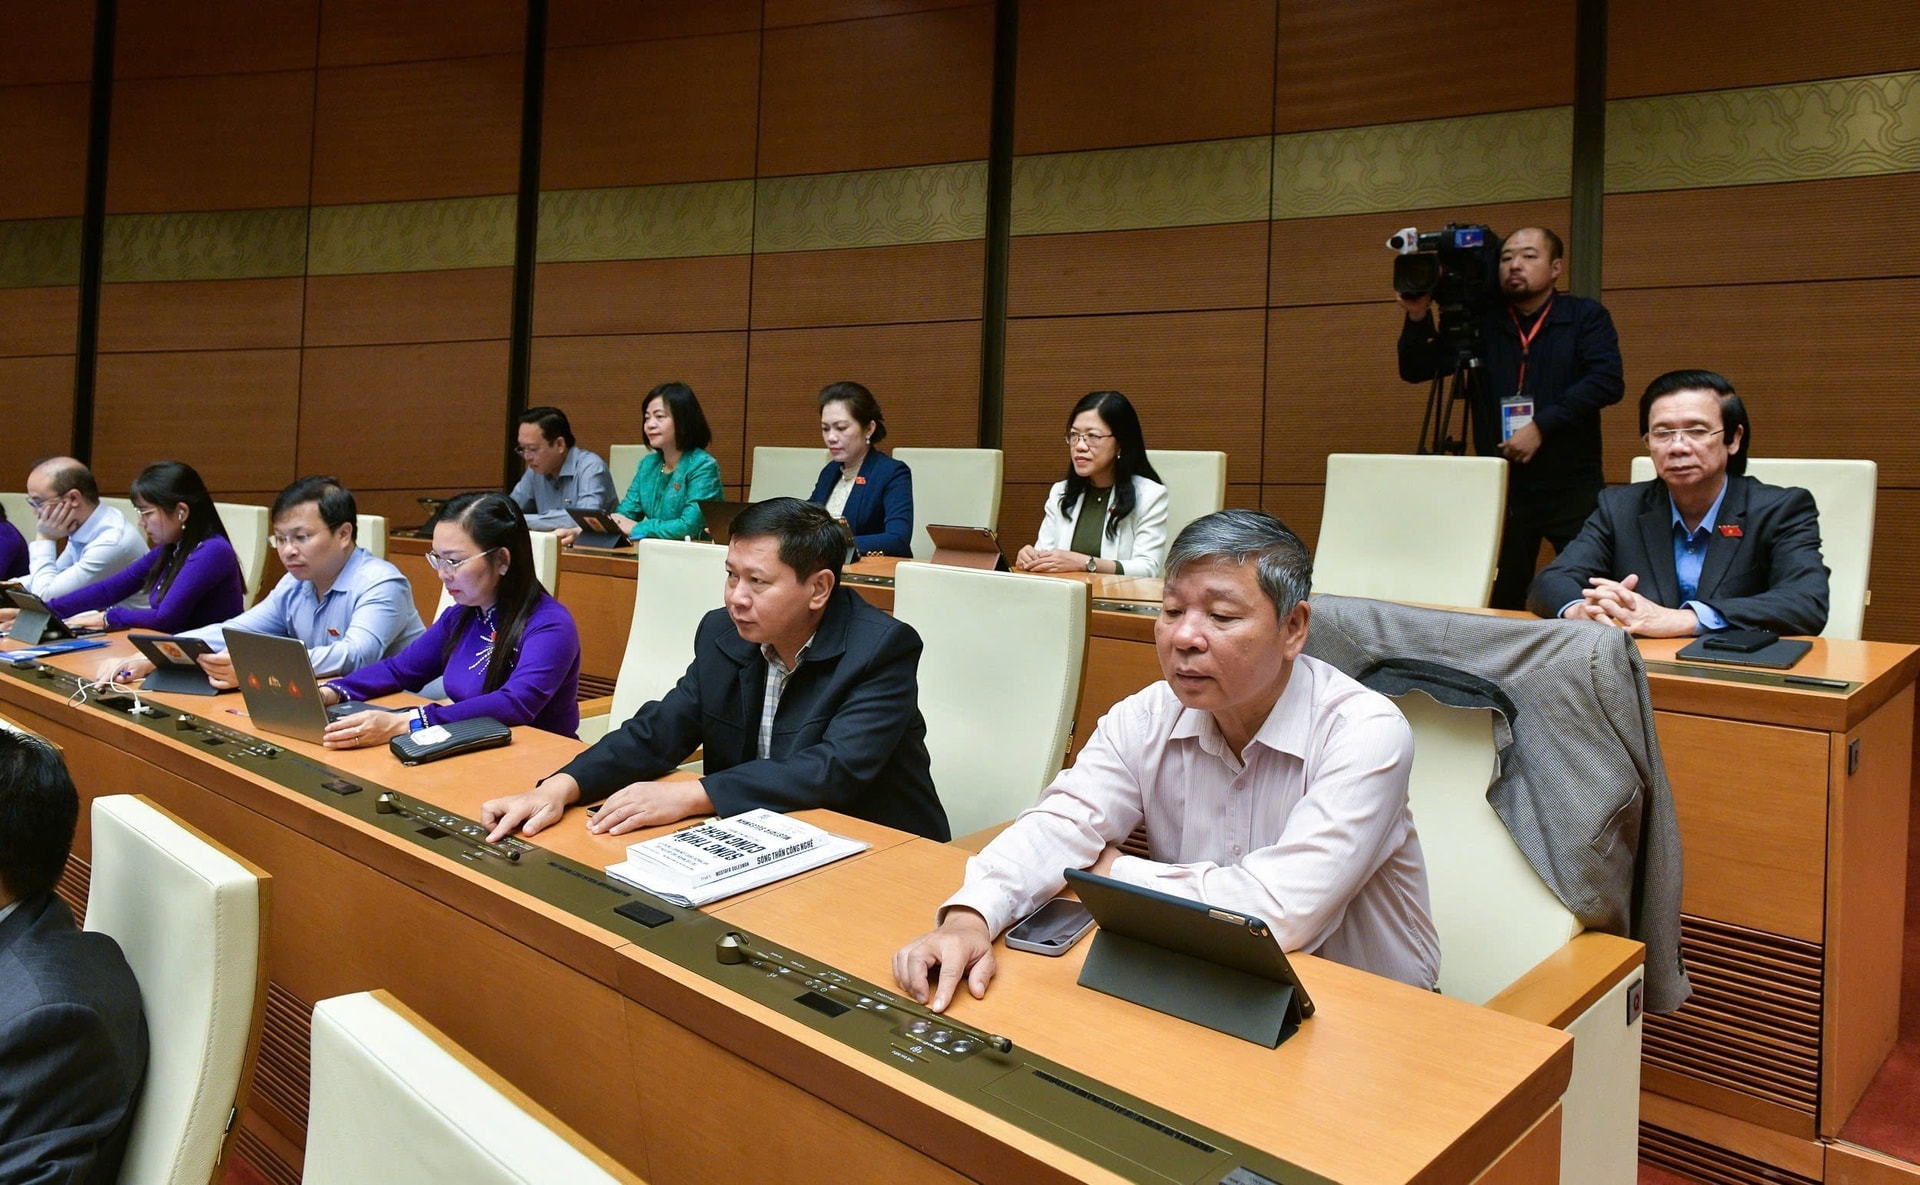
(1270, 783)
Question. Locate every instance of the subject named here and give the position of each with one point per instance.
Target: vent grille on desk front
(262, 1159)
(1698, 1160)
(75, 881)
(283, 1076)
(1753, 1024)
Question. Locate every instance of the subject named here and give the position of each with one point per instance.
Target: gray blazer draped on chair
(1579, 781)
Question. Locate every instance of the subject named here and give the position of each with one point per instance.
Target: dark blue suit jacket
(848, 735)
(880, 509)
(73, 1049)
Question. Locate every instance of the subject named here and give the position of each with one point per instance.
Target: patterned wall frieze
(646, 222)
(875, 208)
(39, 252)
(1471, 160)
(205, 245)
(1194, 184)
(1842, 127)
(423, 236)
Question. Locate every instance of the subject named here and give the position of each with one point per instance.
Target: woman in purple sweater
(505, 648)
(191, 577)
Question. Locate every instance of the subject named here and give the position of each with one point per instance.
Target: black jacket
(73, 1048)
(1573, 370)
(848, 735)
(1766, 575)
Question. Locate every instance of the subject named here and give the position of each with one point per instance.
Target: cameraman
(1560, 354)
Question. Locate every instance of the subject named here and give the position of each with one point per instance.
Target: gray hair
(1284, 566)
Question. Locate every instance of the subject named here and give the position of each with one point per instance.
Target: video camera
(1459, 266)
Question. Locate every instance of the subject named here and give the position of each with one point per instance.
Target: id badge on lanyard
(1516, 411)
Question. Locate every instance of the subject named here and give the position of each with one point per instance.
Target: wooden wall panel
(231, 414)
(1298, 506)
(167, 39)
(880, 93)
(43, 140)
(1022, 505)
(926, 377)
(1333, 386)
(200, 315)
(1894, 614)
(36, 404)
(642, 295)
(405, 416)
(42, 42)
(650, 112)
(780, 13)
(38, 321)
(1389, 61)
(226, 142)
(1345, 260)
(1661, 48)
(869, 285)
(601, 381)
(417, 130)
(1109, 73)
(1139, 271)
(358, 32)
(459, 305)
(1195, 378)
(606, 22)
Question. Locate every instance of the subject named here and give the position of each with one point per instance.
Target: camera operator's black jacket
(1573, 371)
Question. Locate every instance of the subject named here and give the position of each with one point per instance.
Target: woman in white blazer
(1110, 484)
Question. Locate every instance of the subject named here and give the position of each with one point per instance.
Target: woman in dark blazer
(869, 489)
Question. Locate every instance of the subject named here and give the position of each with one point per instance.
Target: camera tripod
(1461, 387)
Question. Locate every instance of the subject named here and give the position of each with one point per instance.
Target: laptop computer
(720, 514)
(597, 529)
(276, 680)
(36, 622)
(967, 547)
(175, 666)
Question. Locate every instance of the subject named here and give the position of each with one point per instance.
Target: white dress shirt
(1138, 545)
(102, 546)
(1312, 833)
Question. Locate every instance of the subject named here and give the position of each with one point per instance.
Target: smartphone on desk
(1052, 929)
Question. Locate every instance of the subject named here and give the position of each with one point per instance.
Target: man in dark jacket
(73, 1042)
(801, 695)
(1702, 547)
(1552, 361)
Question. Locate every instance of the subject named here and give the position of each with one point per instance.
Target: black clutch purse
(446, 740)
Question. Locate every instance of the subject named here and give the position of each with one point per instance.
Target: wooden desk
(682, 1080)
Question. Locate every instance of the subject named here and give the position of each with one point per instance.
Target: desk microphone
(732, 948)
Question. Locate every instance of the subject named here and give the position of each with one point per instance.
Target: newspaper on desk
(721, 857)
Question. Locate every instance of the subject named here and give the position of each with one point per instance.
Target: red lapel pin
(1730, 530)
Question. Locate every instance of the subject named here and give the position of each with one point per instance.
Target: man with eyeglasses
(346, 605)
(560, 474)
(99, 539)
(1702, 547)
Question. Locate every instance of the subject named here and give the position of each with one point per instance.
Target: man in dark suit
(1702, 547)
(801, 694)
(73, 1042)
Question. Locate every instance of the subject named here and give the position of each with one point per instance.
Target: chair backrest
(623, 461)
(957, 487)
(394, 1099)
(1844, 492)
(677, 584)
(785, 472)
(546, 567)
(999, 682)
(125, 507)
(370, 532)
(190, 917)
(1496, 918)
(247, 530)
(1423, 529)
(1196, 482)
(20, 513)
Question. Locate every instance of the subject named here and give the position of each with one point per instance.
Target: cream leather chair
(247, 530)
(1844, 492)
(20, 514)
(623, 461)
(785, 472)
(999, 682)
(1420, 529)
(1196, 482)
(395, 1100)
(191, 918)
(370, 532)
(677, 584)
(546, 567)
(1508, 943)
(957, 487)
(125, 507)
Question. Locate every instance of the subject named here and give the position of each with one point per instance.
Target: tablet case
(447, 740)
(1779, 656)
(598, 529)
(166, 677)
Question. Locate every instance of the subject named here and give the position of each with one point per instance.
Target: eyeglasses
(1093, 439)
(440, 563)
(1664, 437)
(300, 540)
(524, 451)
(35, 504)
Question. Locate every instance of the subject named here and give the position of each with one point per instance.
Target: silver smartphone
(1052, 929)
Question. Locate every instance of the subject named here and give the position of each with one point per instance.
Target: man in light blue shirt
(100, 540)
(560, 474)
(348, 607)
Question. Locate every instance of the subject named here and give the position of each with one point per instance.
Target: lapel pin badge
(1730, 530)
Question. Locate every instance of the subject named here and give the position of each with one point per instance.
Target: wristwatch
(1093, 563)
